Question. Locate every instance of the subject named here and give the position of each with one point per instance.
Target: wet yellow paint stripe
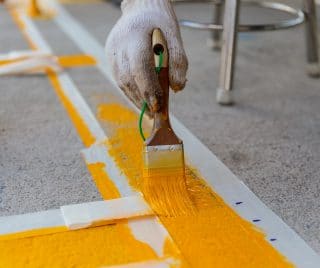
(215, 236)
(93, 247)
(67, 61)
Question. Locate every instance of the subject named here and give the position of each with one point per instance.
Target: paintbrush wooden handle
(162, 133)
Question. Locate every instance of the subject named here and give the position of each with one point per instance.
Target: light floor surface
(270, 139)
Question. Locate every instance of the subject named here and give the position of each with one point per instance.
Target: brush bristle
(164, 183)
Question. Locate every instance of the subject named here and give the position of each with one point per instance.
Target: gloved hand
(130, 53)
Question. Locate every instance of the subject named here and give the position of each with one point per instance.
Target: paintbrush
(164, 181)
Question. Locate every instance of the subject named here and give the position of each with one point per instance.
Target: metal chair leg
(313, 67)
(229, 46)
(215, 41)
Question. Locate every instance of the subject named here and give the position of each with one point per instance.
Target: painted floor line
(217, 175)
(157, 234)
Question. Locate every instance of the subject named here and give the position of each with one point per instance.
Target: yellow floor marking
(93, 247)
(4, 62)
(215, 235)
(32, 233)
(67, 61)
(76, 60)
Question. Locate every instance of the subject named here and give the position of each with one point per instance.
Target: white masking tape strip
(30, 221)
(218, 176)
(105, 212)
(31, 65)
(22, 54)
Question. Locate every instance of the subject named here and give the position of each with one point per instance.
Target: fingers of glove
(125, 81)
(178, 62)
(143, 69)
(132, 92)
(111, 53)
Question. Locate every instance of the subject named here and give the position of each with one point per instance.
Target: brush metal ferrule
(164, 157)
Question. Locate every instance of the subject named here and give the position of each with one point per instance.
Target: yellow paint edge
(83, 130)
(35, 232)
(68, 61)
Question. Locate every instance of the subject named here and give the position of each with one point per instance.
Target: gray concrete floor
(270, 138)
(40, 163)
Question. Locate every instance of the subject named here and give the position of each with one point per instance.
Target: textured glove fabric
(129, 50)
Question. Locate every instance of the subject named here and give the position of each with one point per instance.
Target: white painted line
(31, 221)
(218, 176)
(86, 214)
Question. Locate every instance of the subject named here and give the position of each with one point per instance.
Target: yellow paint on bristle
(215, 235)
(167, 192)
(85, 248)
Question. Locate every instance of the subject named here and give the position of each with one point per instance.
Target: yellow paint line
(67, 61)
(93, 247)
(33, 233)
(83, 131)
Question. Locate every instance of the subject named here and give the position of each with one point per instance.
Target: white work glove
(129, 50)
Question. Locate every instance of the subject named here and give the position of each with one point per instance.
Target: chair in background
(225, 27)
